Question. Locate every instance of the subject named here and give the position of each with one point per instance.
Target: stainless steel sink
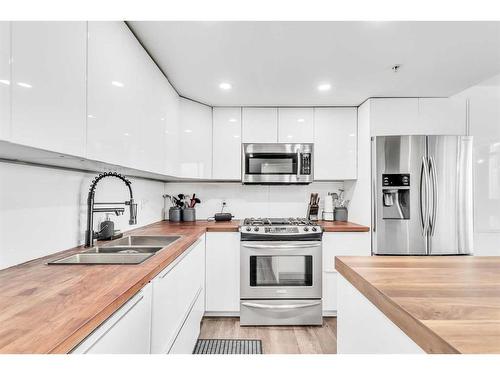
(126, 250)
(133, 241)
(103, 258)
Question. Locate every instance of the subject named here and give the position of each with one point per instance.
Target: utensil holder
(174, 214)
(189, 214)
(340, 213)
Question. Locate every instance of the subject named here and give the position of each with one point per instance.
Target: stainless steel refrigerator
(422, 195)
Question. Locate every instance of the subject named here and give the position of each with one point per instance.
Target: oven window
(271, 164)
(287, 270)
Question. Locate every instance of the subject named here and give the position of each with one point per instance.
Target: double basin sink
(126, 250)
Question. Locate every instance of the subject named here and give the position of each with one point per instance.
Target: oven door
(277, 164)
(280, 269)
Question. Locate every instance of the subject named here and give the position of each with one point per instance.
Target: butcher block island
(402, 304)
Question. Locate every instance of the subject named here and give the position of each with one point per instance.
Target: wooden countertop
(50, 309)
(447, 304)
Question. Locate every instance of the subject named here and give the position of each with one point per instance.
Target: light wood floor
(275, 339)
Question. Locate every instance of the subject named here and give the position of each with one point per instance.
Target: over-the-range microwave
(277, 163)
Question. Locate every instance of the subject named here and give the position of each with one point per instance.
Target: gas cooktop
(296, 229)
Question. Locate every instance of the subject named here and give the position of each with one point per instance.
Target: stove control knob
(306, 229)
(249, 229)
(314, 229)
(256, 229)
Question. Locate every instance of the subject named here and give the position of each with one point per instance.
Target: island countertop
(445, 304)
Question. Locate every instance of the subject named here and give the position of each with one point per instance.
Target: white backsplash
(253, 200)
(43, 210)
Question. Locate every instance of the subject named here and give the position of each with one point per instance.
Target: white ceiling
(282, 63)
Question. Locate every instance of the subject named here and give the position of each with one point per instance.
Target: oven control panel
(281, 230)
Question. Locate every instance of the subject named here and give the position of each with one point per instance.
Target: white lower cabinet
(223, 273)
(177, 304)
(127, 331)
(339, 244)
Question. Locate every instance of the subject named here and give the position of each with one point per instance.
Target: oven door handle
(282, 247)
(279, 307)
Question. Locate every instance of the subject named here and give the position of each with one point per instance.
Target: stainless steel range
(280, 272)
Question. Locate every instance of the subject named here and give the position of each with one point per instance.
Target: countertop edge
(422, 335)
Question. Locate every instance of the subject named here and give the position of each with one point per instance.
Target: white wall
(43, 210)
(253, 200)
(484, 123)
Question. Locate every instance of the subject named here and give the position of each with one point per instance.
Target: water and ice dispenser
(396, 196)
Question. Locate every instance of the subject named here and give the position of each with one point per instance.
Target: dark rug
(227, 346)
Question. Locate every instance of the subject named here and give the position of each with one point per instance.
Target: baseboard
(214, 314)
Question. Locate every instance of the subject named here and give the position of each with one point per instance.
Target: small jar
(340, 213)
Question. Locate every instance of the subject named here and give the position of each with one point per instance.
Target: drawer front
(188, 335)
(280, 312)
(173, 293)
(127, 331)
(344, 243)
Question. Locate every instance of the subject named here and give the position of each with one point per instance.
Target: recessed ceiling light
(117, 83)
(300, 120)
(188, 131)
(236, 136)
(225, 86)
(126, 134)
(324, 87)
(232, 119)
(23, 84)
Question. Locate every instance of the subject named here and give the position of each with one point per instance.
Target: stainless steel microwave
(277, 163)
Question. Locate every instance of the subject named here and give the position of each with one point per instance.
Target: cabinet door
(172, 146)
(127, 331)
(335, 143)
(394, 116)
(49, 85)
(195, 140)
(441, 116)
(295, 125)
(175, 291)
(5, 80)
(227, 143)
(339, 244)
(260, 125)
(223, 273)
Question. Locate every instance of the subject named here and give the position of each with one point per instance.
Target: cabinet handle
(279, 307)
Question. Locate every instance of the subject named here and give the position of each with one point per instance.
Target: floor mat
(227, 346)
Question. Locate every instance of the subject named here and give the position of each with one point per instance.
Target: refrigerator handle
(424, 207)
(435, 200)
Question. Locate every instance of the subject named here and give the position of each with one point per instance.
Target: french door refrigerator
(422, 195)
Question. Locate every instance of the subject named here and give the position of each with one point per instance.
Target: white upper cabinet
(48, 85)
(172, 133)
(227, 143)
(394, 116)
(260, 125)
(295, 125)
(335, 141)
(441, 116)
(127, 100)
(195, 140)
(5, 80)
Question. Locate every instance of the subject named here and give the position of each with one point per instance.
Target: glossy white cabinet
(127, 100)
(175, 293)
(441, 116)
(195, 140)
(339, 244)
(223, 273)
(295, 125)
(335, 143)
(49, 85)
(394, 116)
(127, 331)
(5, 79)
(172, 126)
(226, 143)
(259, 125)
